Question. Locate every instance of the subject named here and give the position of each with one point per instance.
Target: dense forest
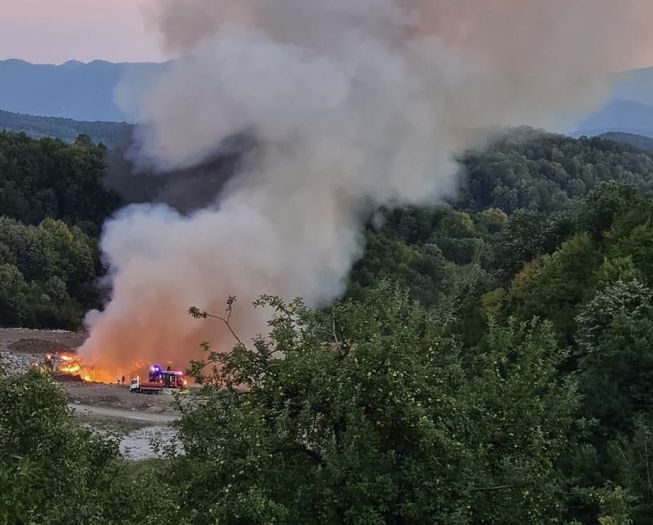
(491, 362)
(52, 205)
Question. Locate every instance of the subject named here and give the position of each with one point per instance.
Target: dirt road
(93, 411)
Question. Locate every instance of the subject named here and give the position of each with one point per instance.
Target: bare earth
(38, 341)
(90, 411)
(119, 397)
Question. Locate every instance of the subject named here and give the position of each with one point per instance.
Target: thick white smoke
(354, 104)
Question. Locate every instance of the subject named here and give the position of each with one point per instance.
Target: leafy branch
(196, 313)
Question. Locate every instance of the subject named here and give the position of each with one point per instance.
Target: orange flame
(69, 363)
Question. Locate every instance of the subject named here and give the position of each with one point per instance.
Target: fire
(70, 364)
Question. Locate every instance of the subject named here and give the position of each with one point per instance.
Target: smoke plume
(353, 104)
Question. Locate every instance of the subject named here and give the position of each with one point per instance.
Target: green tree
(51, 471)
(371, 416)
(616, 373)
(556, 285)
(54, 471)
(49, 178)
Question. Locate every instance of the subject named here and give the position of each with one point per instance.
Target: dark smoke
(184, 190)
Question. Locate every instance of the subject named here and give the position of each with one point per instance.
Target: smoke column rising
(354, 104)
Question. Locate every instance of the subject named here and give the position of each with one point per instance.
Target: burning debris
(67, 365)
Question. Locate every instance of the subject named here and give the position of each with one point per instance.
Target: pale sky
(53, 31)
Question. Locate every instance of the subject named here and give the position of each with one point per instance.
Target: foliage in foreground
(390, 422)
(372, 413)
(53, 471)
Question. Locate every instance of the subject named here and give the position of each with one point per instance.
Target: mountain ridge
(111, 134)
(639, 141)
(87, 91)
(618, 115)
(77, 90)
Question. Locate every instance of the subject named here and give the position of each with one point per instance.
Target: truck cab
(136, 387)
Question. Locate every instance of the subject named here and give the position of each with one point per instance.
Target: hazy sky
(53, 31)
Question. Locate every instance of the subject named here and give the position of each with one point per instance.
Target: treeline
(525, 178)
(528, 169)
(48, 178)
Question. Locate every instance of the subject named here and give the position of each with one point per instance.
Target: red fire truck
(159, 379)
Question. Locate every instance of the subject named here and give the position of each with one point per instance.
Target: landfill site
(137, 414)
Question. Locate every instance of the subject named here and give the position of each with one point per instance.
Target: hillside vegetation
(639, 141)
(491, 363)
(111, 134)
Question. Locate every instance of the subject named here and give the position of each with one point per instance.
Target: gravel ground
(137, 441)
(38, 341)
(139, 444)
(131, 416)
(21, 348)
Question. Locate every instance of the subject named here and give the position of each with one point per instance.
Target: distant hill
(635, 85)
(71, 90)
(639, 141)
(624, 116)
(86, 92)
(630, 109)
(111, 134)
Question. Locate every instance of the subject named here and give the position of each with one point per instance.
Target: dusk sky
(53, 31)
